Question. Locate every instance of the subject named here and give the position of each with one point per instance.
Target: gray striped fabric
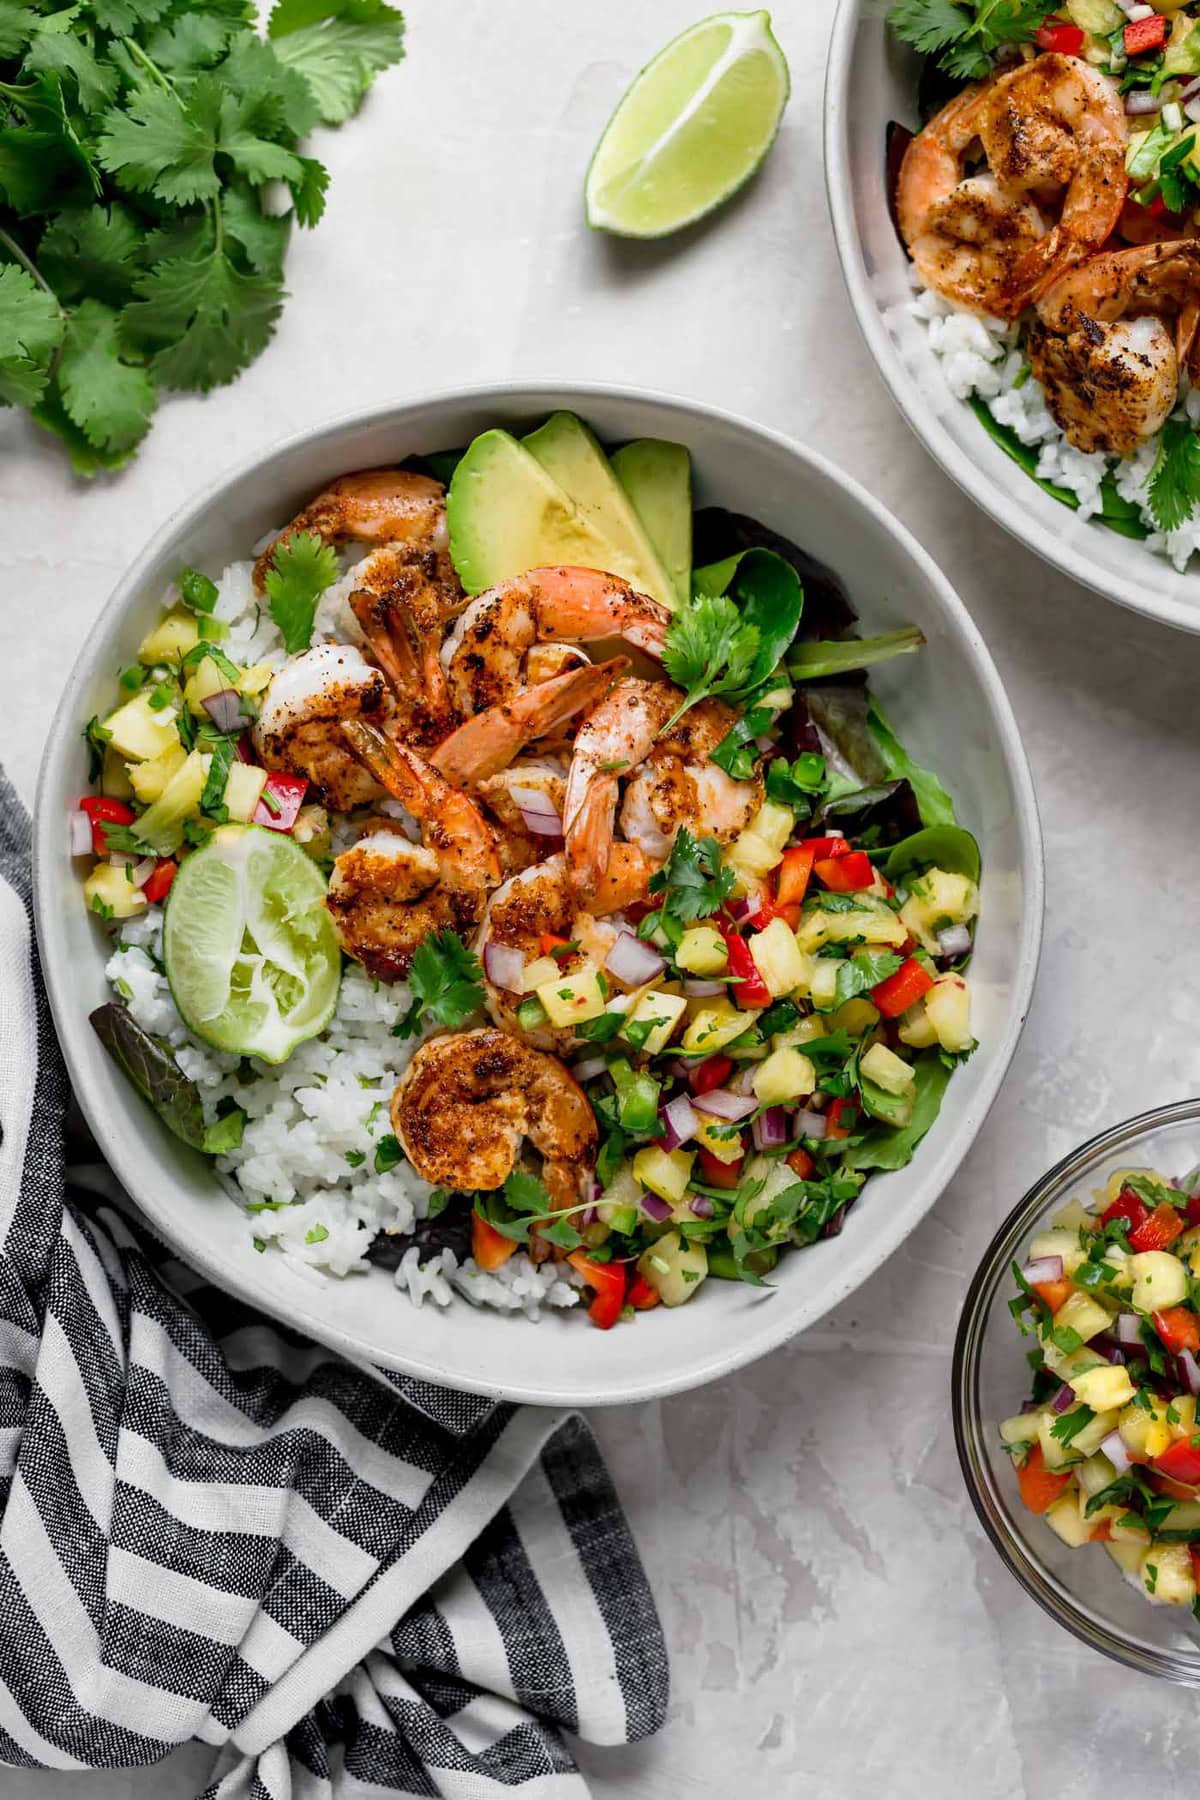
(348, 1584)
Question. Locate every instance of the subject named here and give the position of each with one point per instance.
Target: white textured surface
(836, 1620)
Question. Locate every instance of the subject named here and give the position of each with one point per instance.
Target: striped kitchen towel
(212, 1529)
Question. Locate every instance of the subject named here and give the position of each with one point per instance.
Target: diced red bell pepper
(1140, 35)
(845, 874)
(1055, 1293)
(709, 1074)
(607, 1282)
(792, 880)
(1162, 1484)
(903, 989)
(1155, 1233)
(800, 1163)
(1180, 1461)
(750, 990)
(641, 1296)
(789, 913)
(157, 884)
(1057, 35)
(842, 1119)
(716, 1173)
(1101, 1533)
(550, 943)
(102, 811)
(1178, 1327)
(490, 1248)
(280, 802)
(1126, 1206)
(1040, 1487)
(826, 846)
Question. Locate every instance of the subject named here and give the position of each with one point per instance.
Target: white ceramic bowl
(948, 705)
(871, 79)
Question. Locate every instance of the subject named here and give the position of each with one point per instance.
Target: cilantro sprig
(1174, 489)
(135, 252)
(692, 884)
(302, 567)
(710, 650)
(447, 985)
(964, 34)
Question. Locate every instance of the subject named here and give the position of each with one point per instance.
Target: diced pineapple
(114, 776)
(1022, 1428)
(916, 1028)
(887, 1070)
(856, 1016)
(937, 899)
(786, 1075)
(161, 825)
(1072, 1217)
(311, 831)
(871, 922)
(751, 857)
(1067, 1364)
(779, 960)
(1064, 1244)
(822, 983)
(1167, 1574)
(662, 1013)
(1145, 1434)
(1056, 1454)
(1089, 1440)
(802, 1032)
(1159, 1279)
(573, 999)
(1063, 1519)
(1079, 1312)
(702, 951)
(1099, 17)
(1125, 1531)
(675, 1267)
(1184, 1422)
(774, 824)
(1183, 1516)
(243, 787)
(665, 1172)
(256, 678)
(1104, 1388)
(109, 892)
(948, 1008)
(1095, 1475)
(542, 968)
(719, 1138)
(205, 680)
(148, 779)
(1126, 1553)
(138, 731)
(171, 639)
(715, 1024)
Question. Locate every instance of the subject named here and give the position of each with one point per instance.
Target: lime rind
(251, 955)
(692, 128)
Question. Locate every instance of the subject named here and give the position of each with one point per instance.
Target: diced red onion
(742, 1081)
(1113, 1447)
(763, 744)
(1190, 89)
(1139, 102)
(693, 1072)
(772, 1129)
(702, 1206)
(722, 1103)
(1043, 1268)
(589, 1068)
(1191, 1371)
(955, 940)
(1028, 1406)
(538, 811)
(680, 1067)
(591, 1216)
(1104, 1346)
(702, 990)
(79, 834)
(1064, 1400)
(738, 910)
(225, 710)
(811, 1124)
(1128, 1329)
(141, 872)
(656, 1208)
(504, 966)
(632, 960)
(679, 1121)
(1192, 109)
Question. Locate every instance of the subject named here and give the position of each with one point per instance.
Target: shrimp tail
(492, 739)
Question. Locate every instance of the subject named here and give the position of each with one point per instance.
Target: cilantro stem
(139, 55)
(18, 255)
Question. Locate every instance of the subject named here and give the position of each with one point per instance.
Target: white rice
(305, 1174)
(983, 357)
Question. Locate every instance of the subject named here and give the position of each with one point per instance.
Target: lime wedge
(250, 951)
(694, 127)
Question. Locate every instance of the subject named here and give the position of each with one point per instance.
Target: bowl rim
(964, 471)
(533, 395)
(967, 1411)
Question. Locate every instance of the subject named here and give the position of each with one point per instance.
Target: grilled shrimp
(298, 727)
(1052, 136)
(401, 606)
(468, 1100)
(674, 785)
(1102, 347)
(374, 506)
(387, 894)
(490, 740)
(486, 653)
(543, 900)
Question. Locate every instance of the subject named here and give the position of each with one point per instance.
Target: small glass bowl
(1083, 1589)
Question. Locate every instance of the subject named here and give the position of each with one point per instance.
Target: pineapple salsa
(1108, 1448)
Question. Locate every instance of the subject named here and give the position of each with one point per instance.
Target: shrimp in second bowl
(387, 894)
(467, 1101)
(298, 726)
(672, 783)
(487, 652)
(1102, 349)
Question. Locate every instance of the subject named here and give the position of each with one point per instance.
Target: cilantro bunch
(136, 139)
(965, 34)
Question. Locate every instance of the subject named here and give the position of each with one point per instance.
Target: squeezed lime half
(250, 951)
(693, 128)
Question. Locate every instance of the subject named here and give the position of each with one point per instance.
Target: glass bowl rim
(990, 1508)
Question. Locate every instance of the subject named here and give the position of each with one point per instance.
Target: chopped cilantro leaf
(447, 984)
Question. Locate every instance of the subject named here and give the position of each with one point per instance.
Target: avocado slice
(570, 455)
(506, 515)
(657, 476)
